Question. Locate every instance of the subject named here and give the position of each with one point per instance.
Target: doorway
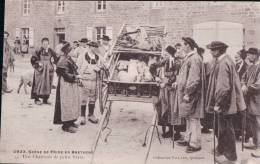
(59, 36)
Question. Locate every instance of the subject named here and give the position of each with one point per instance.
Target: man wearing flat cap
(88, 65)
(8, 55)
(225, 98)
(251, 90)
(167, 116)
(190, 87)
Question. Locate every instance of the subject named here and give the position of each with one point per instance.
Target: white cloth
(80, 52)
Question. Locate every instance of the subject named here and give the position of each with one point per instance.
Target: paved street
(28, 127)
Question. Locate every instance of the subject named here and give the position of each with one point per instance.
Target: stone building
(237, 23)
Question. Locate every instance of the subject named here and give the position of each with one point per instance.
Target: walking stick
(173, 138)
(214, 140)
(243, 130)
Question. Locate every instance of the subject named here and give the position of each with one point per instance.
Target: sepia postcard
(140, 82)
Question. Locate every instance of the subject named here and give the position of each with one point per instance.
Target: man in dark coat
(251, 90)
(42, 61)
(190, 93)
(224, 96)
(206, 122)
(241, 67)
(7, 57)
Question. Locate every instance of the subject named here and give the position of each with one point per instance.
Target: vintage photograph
(138, 82)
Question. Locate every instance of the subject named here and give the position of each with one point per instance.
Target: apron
(70, 100)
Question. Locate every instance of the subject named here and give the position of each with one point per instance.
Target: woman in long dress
(67, 106)
(166, 107)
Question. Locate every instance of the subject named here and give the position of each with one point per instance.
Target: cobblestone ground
(28, 134)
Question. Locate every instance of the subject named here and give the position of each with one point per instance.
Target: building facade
(237, 23)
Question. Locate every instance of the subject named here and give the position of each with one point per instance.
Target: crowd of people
(219, 94)
(78, 67)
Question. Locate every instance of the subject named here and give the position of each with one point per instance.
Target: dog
(25, 80)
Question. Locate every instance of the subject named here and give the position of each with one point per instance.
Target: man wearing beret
(251, 90)
(225, 98)
(190, 89)
(166, 107)
(7, 57)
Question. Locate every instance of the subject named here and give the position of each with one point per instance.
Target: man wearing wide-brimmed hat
(105, 46)
(241, 67)
(251, 89)
(8, 55)
(225, 98)
(82, 49)
(74, 52)
(88, 68)
(190, 88)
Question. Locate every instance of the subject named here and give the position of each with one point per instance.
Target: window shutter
(109, 31)
(17, 32)
(31, 37)
(90, 33)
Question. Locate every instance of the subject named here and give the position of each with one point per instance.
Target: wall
(178, 17)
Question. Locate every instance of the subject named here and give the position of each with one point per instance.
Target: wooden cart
(111, 89)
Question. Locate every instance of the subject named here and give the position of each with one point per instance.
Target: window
(25, 35)
(157, 4)
(59, 35)
(26, 7)
(100, 32)
(60, 7)
(101, 6)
